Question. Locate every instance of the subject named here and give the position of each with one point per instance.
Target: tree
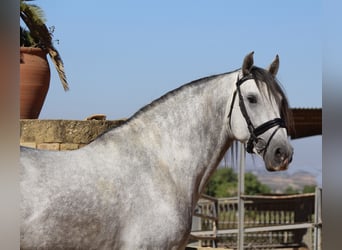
(291, 190)
(224, 183)
(254, 186)
(309, 189)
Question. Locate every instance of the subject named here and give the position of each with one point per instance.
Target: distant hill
(279, 181)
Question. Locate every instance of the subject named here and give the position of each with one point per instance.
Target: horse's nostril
(279, 152)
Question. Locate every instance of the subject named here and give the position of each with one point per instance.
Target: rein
(254, 132)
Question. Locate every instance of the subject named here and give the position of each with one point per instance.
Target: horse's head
(259, 114)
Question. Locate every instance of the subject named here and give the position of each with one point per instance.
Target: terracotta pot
(34, 81)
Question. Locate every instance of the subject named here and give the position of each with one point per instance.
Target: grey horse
(136, 186)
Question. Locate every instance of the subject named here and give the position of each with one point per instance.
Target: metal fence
(269, 221)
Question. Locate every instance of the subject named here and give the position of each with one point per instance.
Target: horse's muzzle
(278, 158)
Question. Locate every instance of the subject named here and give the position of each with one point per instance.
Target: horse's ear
(273, 68)
(247, 63)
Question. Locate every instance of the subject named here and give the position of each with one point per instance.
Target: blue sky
(121, 55)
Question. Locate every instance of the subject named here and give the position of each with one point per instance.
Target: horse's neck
(187, 132)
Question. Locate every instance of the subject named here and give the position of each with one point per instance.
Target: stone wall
(62, 134)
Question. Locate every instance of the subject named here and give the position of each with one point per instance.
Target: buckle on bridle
(253, 139)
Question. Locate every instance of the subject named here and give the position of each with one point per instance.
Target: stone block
(28, 144)
(64, 131)
(40, 131)
(48, 146)
(68, 146)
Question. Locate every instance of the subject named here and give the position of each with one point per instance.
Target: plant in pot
(35, 43)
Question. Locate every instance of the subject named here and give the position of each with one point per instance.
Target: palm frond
(59, 65)
(37, 12)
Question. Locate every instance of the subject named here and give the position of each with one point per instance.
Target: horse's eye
(252, 99)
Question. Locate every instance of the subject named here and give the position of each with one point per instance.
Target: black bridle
(254, 132)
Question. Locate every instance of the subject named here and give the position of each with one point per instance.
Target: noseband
(254, 132)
